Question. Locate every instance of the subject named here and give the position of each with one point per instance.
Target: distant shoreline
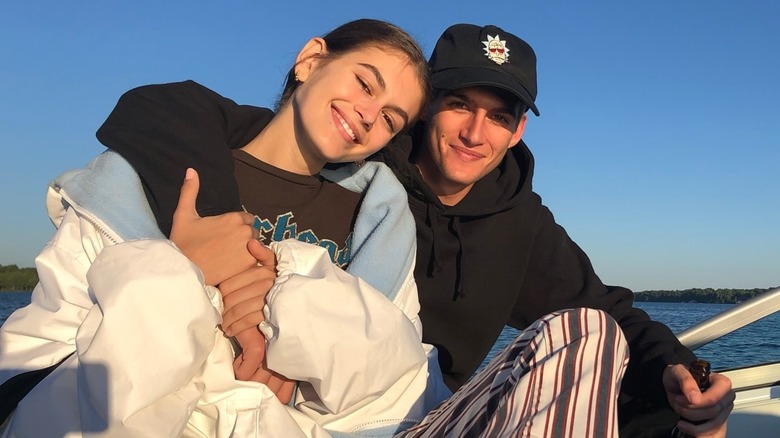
(16, 279)
(708, 296)
(704, 296)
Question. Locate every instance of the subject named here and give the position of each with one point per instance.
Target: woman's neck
(277, 144)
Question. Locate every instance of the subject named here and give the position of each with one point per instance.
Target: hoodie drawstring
(434, 265)
(459, 292)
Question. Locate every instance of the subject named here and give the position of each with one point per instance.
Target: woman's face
(350, 106)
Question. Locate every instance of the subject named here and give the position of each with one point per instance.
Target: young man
(489, 253)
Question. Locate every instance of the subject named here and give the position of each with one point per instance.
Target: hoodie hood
(503, 188)
(439, 226)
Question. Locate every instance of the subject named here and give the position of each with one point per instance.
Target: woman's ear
(309, 57)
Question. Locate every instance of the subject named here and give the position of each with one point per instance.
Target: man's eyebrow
(377, 75)
(503, 108)
(381, 81)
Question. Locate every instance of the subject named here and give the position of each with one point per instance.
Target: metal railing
(731, 319)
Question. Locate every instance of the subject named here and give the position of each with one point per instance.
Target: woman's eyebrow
(381, 81)
(377, 75)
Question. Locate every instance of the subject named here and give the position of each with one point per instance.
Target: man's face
(467, 133)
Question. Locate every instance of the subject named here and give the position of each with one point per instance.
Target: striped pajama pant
(559, 378)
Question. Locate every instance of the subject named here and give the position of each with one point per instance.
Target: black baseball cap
(467, 55)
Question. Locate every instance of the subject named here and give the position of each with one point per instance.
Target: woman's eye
(363, 85)
(389, 121)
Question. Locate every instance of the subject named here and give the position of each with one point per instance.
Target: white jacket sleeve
(44, 332)
(125, 316)
(153, 327)
(338, 334)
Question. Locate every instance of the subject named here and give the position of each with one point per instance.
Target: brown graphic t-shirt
(291, 206)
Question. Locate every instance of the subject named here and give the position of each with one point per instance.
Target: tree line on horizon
(14, 278)
(708, 295)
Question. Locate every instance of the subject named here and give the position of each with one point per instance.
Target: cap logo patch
(496, 50)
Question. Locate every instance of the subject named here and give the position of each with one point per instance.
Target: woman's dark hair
(362, 33)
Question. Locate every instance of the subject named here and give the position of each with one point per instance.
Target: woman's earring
(296, 77)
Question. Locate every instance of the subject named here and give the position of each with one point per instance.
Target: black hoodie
(161, 130)
(496, 258)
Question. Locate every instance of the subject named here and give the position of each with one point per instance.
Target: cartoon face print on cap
(496, 50)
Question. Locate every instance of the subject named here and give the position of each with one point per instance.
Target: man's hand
(277, 383)
(244, 298)
(250, 365)
(217, 244)
(713, 406)
(243, 295)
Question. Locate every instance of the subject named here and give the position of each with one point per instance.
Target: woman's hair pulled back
(362, 33)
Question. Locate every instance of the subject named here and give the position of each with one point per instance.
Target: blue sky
(657, 149)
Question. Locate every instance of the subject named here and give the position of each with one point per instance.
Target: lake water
(757, 343)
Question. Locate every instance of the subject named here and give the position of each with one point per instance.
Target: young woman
(122, 336)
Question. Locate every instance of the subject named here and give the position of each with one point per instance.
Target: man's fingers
(711, 409)
(713, 427)
(279, 385)
(188, 194)
(234, 325)
(261, 375)
(264, 255)
(285, 393)
(254, 281)
(687, 385)
(246, 365)
(253, 345)
(244, 371)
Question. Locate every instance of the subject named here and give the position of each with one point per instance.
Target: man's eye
(502, 119)
(457, 104)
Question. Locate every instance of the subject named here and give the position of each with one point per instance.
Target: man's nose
(474, 131)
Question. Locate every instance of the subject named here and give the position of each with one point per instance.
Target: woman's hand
(217, 244)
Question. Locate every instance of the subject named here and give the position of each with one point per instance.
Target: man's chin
(460, 177)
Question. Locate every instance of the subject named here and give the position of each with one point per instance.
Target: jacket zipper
(100, 227)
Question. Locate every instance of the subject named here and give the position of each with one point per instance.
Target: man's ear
(308, 58)
(518, 134)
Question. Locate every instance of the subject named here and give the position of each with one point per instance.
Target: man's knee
(593, 327)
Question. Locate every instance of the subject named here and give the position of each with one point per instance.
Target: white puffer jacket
(137, 327)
